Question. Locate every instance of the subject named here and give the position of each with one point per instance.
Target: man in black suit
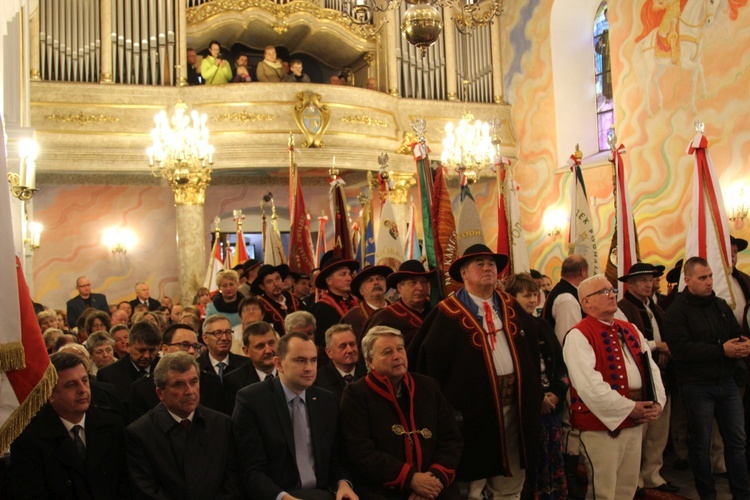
(70, 449)
(259, 341)
(144, 339)
(344, 368)
(217, 335)
(287, 431)
(85, 299)
(177, 338)
(143, 296)
(203, 458)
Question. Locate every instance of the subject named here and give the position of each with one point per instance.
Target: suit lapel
(282, 412)
(66, 451)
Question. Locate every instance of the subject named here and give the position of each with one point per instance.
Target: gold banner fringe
(12, 357)
(21, 417)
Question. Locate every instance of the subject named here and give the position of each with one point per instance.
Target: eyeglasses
(187, 345)
(606, 292)
(221, 333)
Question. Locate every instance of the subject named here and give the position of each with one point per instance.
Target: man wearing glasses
(177, 338)
(218, 334)
(614, 388)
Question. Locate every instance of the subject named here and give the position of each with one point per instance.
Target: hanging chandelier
(471, 146)
(181, 154)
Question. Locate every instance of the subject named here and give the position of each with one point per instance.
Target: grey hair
(179, 362)
(368, 342)
(213, 319)
(337, 328)
(299, 319)
(587, 282)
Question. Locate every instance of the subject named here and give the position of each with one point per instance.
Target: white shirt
(501, 353)
(262, 375)
(567, 313)
(608, 405)
(69, 427)
(215, 362)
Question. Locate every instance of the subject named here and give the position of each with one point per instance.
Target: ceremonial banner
(301, 257)
(389, 249)
(366, 248)
(581, 235)
(240, 251)
(215, 265)
(708, 235)
(320, 247)
(413, 251)
(342, 239)
(510, 239)
(625, 251)
(444, 228)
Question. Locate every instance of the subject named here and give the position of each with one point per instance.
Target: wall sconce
(738, 206)
(119, 240)
(554, 222)
(34, 235)
(23, 184)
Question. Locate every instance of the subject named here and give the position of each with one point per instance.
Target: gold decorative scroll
(364, 120)
(82, 118)
(243, 117)
(402, 182)
(312, 118)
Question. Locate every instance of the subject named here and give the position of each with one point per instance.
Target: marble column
(399, 195)
(391, 32)
(105, 55)
(497, 62)
(191, 250)
(449, 34)
(181, 48)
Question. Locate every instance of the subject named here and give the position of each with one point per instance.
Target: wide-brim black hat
(673, 276)
(365, 273)
(408, 269)
(641, 268)
(741, 244)
(476, 250)
(328, 264)
(299, 276)
(264, 271)
(249, 265)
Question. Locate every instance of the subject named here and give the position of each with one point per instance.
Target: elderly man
(259, 342)
(334, 281)
(421, 460)
(181, 449)
(71, 449)
(638, 308)
(301, 322)
(369, 286)
(143, 296)
(708, 345)
(482, 347)
(614, 389)
(344, 368)
(84, 300)
(413, 285)
(176, 338)
(217, 335)
(273, 300)
(287, 431)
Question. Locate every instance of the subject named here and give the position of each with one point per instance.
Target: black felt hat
(328, 264)
(741, 244)
(264, 271)
(673, 276)
(641, 268)
(408, 269)
(383, 271)
(476, 250)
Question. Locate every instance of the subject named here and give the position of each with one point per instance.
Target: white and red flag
(627, 238)
(581, 236)
(215, 264)
(510, 238)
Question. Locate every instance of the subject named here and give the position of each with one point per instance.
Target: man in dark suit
(259, 344)
(344, 368)
(203, 461)
(144, 339)
(217, 335)
(143, 296)
(177, 338)
(287, 430)
(84, 300)
(70, 449)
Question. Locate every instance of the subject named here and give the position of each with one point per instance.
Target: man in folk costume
(335, 283)
(413, 306)
(740, 285)
(369, 286)
(482, 348)
(614, 389)
(637, 307)
(274, 301)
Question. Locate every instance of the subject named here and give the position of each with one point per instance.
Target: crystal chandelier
(470, 146)
(181, 154)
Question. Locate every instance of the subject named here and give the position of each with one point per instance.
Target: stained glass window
(605, 113)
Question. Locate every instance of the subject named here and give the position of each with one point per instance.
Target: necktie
(185, 423)
(348, 378)
(302, 445)
(142, 373)
(490, 324)
(221, 365)
(78, 441)
(269, 376)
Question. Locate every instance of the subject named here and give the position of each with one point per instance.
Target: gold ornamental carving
(82, 118)
(407, 140)
(242, 117)
(402, 182)
(364, 120)
(369, 59)
(191, 192)
(280, 11)
(312, 118)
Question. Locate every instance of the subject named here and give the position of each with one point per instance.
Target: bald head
(575, 269)
(597, 298)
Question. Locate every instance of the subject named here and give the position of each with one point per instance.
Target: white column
(191, 250)
(497, 62)
(181, 14)
(105, 16)
(391, 32)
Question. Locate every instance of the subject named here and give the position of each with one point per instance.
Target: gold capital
(401, 183)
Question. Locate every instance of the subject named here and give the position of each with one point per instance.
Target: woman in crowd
(120, 334)
(47, 319)
(97, 321)
(550, 476)
(62, 319)
(101, 349)
(270, 69)
(50, 336)
(226, 302)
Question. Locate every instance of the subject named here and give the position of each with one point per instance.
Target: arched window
(605, 113)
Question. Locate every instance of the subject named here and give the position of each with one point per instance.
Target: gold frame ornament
(312, 118)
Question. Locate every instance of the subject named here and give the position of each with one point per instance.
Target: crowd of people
(217, 68)
(349, 384)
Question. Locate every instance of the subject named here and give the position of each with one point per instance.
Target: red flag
(215, 264)
(342, 240)
(301, 258)
(444, 230)
(320, 247)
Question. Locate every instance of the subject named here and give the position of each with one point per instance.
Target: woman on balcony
(214, 68)
(270, 69)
